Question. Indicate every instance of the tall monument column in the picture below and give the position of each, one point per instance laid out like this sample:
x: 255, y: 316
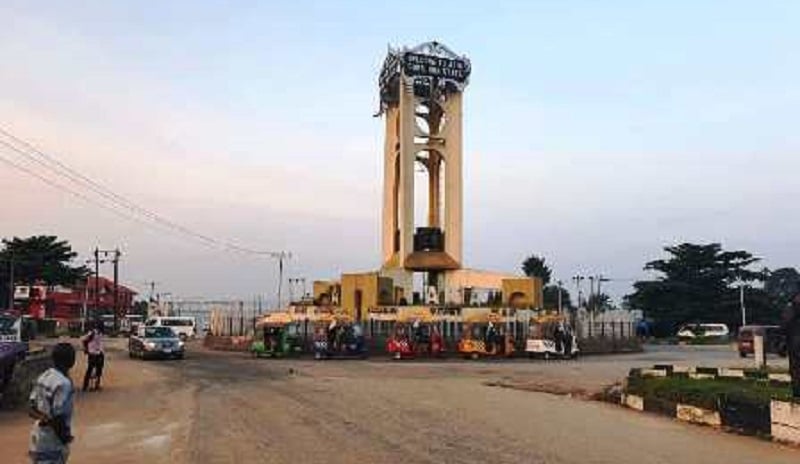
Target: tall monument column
x: 421, y: 96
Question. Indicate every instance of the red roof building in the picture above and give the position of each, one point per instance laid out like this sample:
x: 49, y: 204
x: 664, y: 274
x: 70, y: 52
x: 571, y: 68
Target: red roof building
x: 69, y: 303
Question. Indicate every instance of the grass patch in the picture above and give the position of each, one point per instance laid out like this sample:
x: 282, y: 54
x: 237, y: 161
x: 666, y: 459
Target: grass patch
x: 708, y: 393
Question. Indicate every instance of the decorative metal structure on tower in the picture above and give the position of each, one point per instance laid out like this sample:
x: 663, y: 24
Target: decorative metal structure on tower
x: 421, y: 91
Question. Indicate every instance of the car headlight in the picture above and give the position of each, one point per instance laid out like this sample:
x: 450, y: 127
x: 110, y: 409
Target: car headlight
x: 180, y: 344
x: 150, y: 345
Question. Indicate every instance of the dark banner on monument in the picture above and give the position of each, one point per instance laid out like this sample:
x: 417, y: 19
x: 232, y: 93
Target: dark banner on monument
x: 415, y: 64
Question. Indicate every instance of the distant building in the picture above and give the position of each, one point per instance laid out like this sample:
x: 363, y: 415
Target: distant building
x: 68, y: 303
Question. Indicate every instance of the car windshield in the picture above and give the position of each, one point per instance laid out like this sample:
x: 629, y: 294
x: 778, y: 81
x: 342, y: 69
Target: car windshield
x: 158, y: 332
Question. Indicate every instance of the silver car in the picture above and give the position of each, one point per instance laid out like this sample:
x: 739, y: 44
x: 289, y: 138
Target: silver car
x: 155, y: 342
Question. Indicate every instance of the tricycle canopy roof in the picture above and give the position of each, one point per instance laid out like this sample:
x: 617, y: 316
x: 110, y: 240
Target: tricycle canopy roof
x: 278, y: 319
x: 547, y: 318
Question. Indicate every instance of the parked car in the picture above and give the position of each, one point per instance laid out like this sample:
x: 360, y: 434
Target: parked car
x: 698, y: 331
x: 774, y: 339
x: 184, y: 327
x: 155, y: 342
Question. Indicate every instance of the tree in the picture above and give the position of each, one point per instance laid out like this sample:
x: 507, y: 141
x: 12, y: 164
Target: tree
x: 38, y: 258
x: 535, y: 266
x: 140, y: 307
x: 781, y: 285
x: 551, y: 297
x: 599, y: 302
x: 699, y: 283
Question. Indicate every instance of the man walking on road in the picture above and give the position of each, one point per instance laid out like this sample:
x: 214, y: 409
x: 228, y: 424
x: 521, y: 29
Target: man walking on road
x: 93, y: 346
x: 51, y: 405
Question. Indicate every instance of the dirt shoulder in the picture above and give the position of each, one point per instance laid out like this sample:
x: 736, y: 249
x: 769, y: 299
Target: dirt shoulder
x: 140, y: 415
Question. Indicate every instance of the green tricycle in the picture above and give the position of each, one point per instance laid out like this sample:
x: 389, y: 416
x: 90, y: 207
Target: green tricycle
x: 280, y: 336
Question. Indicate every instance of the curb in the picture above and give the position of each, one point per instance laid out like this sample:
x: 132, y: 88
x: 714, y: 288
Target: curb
x: 780, y: 420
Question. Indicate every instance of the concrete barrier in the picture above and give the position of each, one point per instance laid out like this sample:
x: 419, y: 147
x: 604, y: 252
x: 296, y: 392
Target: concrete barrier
x: 785, y: 418
x: 695, y: 415
x: 777, y: 377
x: 633, y: 401
x: 729, y: 373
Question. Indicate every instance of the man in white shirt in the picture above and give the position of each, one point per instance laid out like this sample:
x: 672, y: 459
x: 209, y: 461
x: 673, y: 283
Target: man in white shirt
x: 51, y: 403
x: 93, y: 346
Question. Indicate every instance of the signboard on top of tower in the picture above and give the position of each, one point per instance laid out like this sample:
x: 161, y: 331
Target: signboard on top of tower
x: 416, y: 64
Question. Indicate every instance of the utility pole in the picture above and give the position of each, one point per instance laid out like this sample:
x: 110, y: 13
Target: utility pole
x: 560, y: 309
x: 291, y: 289
x: 11, y: 283
x: 96, y: 280
x: 280, y: 256
x: 578, y: 279
x: 117, y: 254
x: 84, y: 310
x: 600, y: 280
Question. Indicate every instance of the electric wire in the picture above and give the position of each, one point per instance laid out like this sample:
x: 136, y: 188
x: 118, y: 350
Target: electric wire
x: 62, y: 170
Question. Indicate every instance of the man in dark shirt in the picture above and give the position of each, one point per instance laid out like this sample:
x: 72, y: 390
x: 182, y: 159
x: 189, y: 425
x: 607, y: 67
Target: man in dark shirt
x: 791, y: 327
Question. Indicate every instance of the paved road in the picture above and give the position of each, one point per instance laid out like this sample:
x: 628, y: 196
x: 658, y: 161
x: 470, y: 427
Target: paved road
x: 226, y: 408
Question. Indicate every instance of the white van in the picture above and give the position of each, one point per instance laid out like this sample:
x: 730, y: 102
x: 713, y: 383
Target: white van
x: 184, y: 327
x: 691, y: 331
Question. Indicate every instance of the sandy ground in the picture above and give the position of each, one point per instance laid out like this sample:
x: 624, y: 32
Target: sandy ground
x: 227, y: 408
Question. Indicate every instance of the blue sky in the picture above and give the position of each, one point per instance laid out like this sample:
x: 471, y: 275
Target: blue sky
x: 595, y: 132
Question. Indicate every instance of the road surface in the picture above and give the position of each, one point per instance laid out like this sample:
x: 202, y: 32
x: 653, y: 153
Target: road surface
x: 227, y: 408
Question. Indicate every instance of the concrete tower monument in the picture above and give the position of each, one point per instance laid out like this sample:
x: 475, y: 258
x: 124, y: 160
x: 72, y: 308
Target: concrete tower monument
x: 422, y: 264
x: 421, y: 93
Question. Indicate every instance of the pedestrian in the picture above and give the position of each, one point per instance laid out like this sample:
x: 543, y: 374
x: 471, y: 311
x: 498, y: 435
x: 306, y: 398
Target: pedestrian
x: 791, y: 327
x: 93, y: 347
x: 51, y: 403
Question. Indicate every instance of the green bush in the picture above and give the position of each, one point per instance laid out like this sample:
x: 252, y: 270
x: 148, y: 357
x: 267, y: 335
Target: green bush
x: 707, y: 393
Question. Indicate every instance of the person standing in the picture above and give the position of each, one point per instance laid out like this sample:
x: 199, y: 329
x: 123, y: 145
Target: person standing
x: 93, y: 346
x: 51, y: 403
x: 791, y: 327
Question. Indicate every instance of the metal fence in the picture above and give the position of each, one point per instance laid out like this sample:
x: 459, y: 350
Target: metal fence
x: 617, y: 324
x: 237, y: 320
